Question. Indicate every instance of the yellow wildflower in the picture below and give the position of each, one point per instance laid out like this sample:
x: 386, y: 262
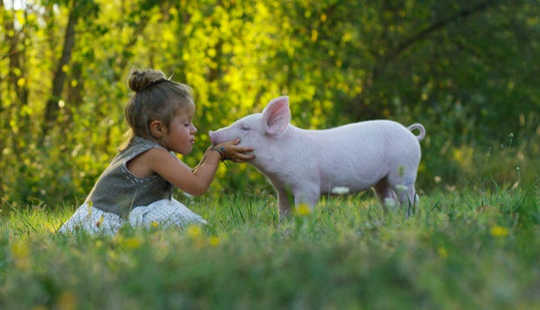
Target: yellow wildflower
x: 194, y: 231
x: 67, y: 301
x: 214, y: 241
x: 132, y: 243
x: 442, y: 252
x: 21, y: 254
x: 155, y: 224
x: 499, y: 231
x: 98, y: 223
x: 303, y: 209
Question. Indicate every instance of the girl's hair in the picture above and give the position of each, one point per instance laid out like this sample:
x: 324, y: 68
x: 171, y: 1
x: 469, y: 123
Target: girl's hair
x: 156, y: 98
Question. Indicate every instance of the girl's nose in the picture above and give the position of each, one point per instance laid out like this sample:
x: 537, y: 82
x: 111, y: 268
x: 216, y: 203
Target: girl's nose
x: 193, y: 128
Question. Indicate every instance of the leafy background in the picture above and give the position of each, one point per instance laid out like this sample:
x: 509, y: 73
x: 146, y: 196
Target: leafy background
x: 467, y: 70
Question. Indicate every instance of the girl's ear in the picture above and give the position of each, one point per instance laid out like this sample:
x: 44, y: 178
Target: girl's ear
x: 276, y: 116
x: 157, y: 130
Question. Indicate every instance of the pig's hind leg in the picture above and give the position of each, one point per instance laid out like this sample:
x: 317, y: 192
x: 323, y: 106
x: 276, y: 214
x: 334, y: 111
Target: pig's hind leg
x: 402, y: 184
x: 407, y: 197
x: 387, y: 197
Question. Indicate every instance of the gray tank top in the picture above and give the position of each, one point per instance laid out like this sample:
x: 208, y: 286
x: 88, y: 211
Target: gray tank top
x: 118, y: 191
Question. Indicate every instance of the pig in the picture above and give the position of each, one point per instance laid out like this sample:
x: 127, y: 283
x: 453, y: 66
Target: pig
x: 379, y: 154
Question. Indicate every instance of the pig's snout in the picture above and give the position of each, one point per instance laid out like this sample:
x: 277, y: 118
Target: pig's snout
x: 216, y: 137
x: 212, y: 135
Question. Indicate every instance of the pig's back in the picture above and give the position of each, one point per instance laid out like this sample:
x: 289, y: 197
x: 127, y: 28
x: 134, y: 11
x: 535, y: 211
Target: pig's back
x: 358, y: 155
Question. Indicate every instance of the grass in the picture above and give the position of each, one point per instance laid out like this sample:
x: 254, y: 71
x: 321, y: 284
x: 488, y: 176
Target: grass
x: 462, y: 250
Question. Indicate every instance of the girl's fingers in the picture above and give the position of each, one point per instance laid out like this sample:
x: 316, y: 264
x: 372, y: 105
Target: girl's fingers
x: 245, y: 157
x: 241, y: 149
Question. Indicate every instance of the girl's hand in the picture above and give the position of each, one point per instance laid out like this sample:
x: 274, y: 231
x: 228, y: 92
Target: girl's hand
x: 230, y: 151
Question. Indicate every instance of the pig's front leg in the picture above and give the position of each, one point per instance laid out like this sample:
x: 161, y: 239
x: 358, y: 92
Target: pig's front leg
x: 283, y: 198
x: 283, y: 202
x: 307, y: 194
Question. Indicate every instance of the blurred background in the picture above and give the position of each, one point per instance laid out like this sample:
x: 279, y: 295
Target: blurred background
x: 467, y: 70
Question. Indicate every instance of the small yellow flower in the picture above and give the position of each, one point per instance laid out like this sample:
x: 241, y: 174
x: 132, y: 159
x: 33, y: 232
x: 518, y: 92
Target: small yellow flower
x: 155, y: 224
x: 214, y: 241
x: 303, y: 209
x: 67, y: 301
x: 118, y: 239
x: 100, y: 221
x: 194, y: 231
x: 132, y: 243
x: 499, y: 231
x: 21, y: 254
x: 442, y: 252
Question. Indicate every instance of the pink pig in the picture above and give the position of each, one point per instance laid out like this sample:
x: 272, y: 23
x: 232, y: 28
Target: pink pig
x: 382, y: 154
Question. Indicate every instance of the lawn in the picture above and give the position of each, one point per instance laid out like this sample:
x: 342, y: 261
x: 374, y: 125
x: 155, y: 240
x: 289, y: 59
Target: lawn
x: 463, y: 249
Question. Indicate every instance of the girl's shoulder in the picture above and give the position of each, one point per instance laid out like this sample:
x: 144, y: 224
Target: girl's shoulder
x: 140, y: 154
x: 136, y: 146
x: 138, y: 142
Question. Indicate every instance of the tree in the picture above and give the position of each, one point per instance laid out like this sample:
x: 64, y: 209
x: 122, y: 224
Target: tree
x: 76, y: 10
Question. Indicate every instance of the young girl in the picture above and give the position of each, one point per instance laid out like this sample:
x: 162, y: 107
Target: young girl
x: 136, y: 187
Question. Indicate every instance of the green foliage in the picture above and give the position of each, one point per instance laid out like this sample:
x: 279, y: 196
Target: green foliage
x: 465, y: 69
x: 467, y: 250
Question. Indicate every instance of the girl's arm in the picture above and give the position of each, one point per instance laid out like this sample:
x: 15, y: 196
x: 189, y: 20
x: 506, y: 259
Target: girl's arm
x: 194, y: 182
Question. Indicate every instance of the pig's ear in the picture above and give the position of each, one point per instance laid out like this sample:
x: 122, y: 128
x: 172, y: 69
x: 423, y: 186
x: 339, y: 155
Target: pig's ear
x: 276, y: 116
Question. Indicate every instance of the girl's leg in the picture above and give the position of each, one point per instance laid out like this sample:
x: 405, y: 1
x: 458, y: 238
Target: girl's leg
x: 164, y: 213
x: 92, y: 220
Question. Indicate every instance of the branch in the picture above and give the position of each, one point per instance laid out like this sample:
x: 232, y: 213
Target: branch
x: 10, y: 54
x: 438, y: 25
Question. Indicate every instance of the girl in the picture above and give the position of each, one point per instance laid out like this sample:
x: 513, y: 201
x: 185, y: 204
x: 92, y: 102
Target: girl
x: 136, y: 187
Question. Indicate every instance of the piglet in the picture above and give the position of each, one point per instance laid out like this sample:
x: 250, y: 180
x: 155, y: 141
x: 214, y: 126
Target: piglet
x: 382, y: 154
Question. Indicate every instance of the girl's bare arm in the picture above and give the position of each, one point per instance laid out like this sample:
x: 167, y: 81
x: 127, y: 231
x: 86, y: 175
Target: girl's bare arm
x: 197, y: 181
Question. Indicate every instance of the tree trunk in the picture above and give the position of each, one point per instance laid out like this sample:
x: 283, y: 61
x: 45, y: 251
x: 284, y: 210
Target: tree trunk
x: 17, y: 89
x: 52, y: 107
x: 3, y: 117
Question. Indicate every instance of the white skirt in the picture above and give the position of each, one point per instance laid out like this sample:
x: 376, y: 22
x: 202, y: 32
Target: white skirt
x: 161, y: 213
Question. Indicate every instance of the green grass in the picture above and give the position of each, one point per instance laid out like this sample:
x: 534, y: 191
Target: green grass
x: 462, y: 250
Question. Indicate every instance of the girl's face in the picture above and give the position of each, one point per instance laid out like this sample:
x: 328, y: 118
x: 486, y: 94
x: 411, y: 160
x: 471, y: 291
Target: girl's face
x: 180, y: 135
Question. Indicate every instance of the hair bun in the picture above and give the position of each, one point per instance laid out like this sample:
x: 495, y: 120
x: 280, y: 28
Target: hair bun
x: 141, y: 79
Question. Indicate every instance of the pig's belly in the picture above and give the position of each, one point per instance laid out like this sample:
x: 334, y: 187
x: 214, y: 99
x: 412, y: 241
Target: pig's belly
x: 355, y: 175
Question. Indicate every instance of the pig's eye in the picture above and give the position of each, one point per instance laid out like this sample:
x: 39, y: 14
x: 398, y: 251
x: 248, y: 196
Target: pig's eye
x: 244, y: 127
